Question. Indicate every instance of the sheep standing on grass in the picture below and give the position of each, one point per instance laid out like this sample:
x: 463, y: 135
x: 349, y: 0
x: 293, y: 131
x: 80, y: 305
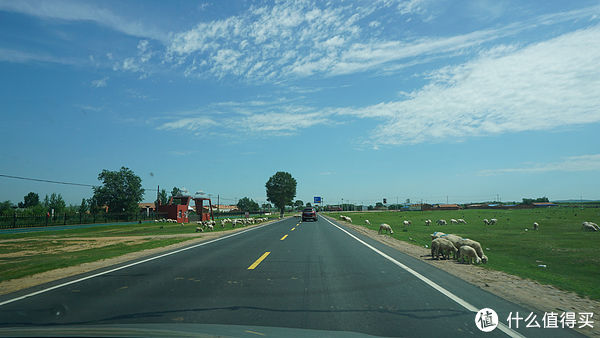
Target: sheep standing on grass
x: 475, y: 245
x: 461, y: 221
x: 469, y: 254
x: 407, y: 223
x: 437, y: 234
x: 535, y: 225
x: 486, y: 222
x: 444, y: 247
x: 589, y: 226
x: 385, y: 227
x: 453, y: 221
x: 493, y: 221
x: 442, y: 222
x: 199, y: 229
x: 427, y: 222
x: 367, y: 221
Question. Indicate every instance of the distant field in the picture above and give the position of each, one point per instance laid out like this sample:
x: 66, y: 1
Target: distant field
x: 29, y: 253
x: 571, y: 255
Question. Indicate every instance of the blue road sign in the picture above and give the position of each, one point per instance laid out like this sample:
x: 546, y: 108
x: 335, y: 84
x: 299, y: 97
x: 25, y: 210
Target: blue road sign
x: 317, y: 199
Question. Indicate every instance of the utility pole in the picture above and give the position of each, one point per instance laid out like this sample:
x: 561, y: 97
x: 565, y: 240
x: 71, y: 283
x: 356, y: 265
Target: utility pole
x: 218, y: 203
x: 446, y: 199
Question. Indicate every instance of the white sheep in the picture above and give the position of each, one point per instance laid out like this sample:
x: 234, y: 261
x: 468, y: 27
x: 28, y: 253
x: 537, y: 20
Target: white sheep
x: 589, y: 226
x: 437, y: 234
x: 594, y: 225
x: 367, y: 221
x: 493, y: 221
x: 442, y: 246
x: 486, y: 222
x: 475, y: 245
x: 535, y: 225
x: 407, y: 223
x: 348, y: 219
x: 385, y: 227
x: 428, y: 222
x: 453, y: 221
x: 199, y: 229
x: 442, y: 222
x: 462, y: 221
x: 469, y: 254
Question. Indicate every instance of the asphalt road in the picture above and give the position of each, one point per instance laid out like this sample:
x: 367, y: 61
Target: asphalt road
x: 315, y: 276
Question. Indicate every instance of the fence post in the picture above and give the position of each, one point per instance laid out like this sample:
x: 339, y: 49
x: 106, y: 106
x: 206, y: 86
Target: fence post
x: 80, y: 218
x: 65, y: 219
x: 15, y: 220
x: 47, y: 216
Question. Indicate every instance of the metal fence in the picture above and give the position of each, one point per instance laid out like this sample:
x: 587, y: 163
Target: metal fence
x: 25, y: 221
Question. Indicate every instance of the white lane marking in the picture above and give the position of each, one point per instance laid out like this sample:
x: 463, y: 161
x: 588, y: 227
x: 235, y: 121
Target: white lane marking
x: 131, y: 264
x: 463, y: 303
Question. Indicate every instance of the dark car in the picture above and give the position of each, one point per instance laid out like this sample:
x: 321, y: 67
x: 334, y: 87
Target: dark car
x: 309, y: 213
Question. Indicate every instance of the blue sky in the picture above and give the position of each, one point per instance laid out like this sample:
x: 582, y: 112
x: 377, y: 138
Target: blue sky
x: 358, y: 100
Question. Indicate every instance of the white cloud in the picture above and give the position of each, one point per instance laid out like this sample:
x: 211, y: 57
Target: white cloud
x: 17, y: 56
x: 539, y: 87
x: 79, y: 11
x: 569, y: 164
x: 190, y: 123
x: 100, y: 82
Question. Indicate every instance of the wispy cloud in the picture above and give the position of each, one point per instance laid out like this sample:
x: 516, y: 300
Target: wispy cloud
x: 569, y: 164
x: 17, y: 56
x: 301, y: 39
x: 80, y: 11
x: 190, y: 124
x: 100, y: 82
x: 538, y: 87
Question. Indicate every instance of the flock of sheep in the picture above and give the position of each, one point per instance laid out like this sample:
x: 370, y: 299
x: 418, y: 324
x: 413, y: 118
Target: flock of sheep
x: 210, y: 224
x: 462, y: 249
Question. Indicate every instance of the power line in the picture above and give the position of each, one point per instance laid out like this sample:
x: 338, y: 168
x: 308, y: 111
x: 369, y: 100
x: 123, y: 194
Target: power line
x: 55, y: 182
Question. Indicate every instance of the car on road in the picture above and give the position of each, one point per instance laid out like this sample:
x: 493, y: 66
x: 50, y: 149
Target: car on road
x: 309, y: 213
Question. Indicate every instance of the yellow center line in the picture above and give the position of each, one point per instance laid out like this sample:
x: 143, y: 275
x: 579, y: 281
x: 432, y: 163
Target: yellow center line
x: 282, y: 238
x: 260, y: 259
x: 293, y: 229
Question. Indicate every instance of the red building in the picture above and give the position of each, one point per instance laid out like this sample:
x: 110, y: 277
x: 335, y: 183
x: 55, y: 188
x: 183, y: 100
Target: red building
x: 179, y: 208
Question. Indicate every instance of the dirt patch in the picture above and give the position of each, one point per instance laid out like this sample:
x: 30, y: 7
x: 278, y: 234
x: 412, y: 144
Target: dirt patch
x: 49, y: 276
x: 525, y: 292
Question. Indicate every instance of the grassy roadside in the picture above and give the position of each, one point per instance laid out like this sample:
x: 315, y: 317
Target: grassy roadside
x: 25, y: 254
x: 28, y: 265
x: 571, y: 256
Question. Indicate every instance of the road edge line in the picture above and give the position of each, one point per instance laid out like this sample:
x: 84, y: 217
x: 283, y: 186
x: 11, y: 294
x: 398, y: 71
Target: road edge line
x: 510, y: 332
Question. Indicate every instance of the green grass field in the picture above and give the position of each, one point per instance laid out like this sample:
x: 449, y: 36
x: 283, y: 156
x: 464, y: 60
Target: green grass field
x: 571, y: 256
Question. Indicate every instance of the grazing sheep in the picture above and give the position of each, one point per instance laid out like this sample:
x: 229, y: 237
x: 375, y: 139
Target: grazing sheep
x: 462, y: 221
x: 348, y: 219
x: 407, y: 223
x: 210, y: 226
x: 486, y: 222
x: 442, y: 246
x: 589, y: 226
x: 535, y: 225
x: 199, y: 229
x: 428, y: 222
x: 442, y: 222
x: 594, y: 225
x: 493, y: 221
x: 385, y: 227
x: 475, y: 245
x: 453, y: 221
x: 469, y: 254
x: 367, y: 221
x: 437, y: 234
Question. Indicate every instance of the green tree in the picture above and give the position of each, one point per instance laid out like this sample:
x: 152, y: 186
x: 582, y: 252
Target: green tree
x: 30, y: 200
x: 93, y: 205
x: 83, y: 208
x: 121, y: 190
x: 6, y: 208
x: 308, y: 204
x: 266, y: 206
x: 162, y: 197
x: 247, y: 204
x: 299, y: 204
x: 57, y: 203
x: 281, y: 190
x: 176, y: 192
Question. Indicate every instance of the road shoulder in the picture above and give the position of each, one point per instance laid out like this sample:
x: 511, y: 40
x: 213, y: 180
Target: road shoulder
x: 524, y: 292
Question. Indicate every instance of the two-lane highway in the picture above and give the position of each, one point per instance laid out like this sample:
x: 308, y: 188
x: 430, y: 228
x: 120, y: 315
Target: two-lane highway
x: 290, y: 274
